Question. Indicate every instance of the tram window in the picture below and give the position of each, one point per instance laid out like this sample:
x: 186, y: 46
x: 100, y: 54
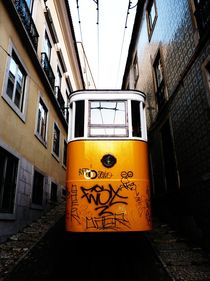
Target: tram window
x: 108, y: 118
x: 136, y: 122
x: 79, y: 119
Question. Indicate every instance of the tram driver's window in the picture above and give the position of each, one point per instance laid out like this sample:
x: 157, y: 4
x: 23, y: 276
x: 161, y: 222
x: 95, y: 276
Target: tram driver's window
x: 79, y: 119
x: 136, y: 119
x: 108, y: 118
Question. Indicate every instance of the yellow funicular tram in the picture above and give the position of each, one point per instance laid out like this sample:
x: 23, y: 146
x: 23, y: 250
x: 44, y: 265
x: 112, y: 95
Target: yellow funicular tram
x: 108, y: 188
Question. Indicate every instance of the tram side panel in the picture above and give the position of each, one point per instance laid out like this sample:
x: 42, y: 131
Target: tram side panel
x: 101, y: 199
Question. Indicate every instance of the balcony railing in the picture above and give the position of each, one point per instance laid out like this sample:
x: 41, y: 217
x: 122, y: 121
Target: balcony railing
x: 47, y: 69
x: 202, y: 15
x: 24, y: 13
x: 60, y: 99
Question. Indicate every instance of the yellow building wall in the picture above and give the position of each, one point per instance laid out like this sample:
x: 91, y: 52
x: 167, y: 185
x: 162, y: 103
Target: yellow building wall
x: 14, y: 132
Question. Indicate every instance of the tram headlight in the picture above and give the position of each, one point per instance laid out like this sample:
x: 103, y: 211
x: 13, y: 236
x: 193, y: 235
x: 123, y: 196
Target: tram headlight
x: 108, y: 160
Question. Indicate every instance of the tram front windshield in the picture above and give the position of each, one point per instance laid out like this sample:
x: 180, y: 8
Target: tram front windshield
x: 108, y: 118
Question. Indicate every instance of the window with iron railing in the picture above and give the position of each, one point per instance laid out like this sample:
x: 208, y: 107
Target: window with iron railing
x: 159, y: 81
x: 47, y: 46
x: 202, y: 15
x: 22, y: 7
x: 48, y: 69
x: 60, y: 99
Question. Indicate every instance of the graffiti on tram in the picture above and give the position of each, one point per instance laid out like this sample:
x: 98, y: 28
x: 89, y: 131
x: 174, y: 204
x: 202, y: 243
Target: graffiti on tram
x: 93, y: 174
x: 102, y: 197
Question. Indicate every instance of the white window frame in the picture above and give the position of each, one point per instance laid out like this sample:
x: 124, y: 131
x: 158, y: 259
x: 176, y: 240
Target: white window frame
x: 21, y: 112
x: 37, y: 134
x: 49, y: 54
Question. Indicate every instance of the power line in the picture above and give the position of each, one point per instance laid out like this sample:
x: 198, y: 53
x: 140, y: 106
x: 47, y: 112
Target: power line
x: 122, y: 44
x: 123, y: 40
x: 80, y: 28
x: 79, y: 20
x: 98, y: 41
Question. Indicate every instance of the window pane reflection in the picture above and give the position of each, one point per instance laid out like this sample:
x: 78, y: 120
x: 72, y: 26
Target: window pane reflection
x: 108, y: 118
x: 107, y: 113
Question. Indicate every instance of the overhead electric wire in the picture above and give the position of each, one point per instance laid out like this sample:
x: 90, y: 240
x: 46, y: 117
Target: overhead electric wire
x: 125, y: 28
x: 98, y: 46
x: 79, y: 20
x: 81, y: 35
x: 122, y: 45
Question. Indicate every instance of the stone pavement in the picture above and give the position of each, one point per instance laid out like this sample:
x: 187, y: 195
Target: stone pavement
x: 182, y: 260
x: 18, y: 246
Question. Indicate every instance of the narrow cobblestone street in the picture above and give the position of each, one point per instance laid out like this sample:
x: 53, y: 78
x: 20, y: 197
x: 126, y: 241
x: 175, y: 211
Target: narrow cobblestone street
x: 19, y: 246
x: 183, y: 260
x: 178, y: 258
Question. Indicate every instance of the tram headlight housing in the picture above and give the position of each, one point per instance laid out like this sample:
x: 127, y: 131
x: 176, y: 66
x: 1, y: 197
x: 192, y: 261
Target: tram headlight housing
x: 108, y: 160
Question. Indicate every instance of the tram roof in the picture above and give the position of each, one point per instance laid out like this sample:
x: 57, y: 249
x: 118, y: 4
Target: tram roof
x: 107, y: 95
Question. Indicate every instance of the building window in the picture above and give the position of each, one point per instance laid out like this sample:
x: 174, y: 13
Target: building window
x: 30, y: 4
x: 45, y: 61
x: 151, y: 16
x: 58, y: 78
x: 8, y: 179
x: 159, y: 81
x: 41, y: 130
x: 53, y: 194
x: 58, y: 93
x: 135, y: 70
x: 65, y: 153
x: 202, y: 14
x: 15, y: 84
x: 47, y: 46
x: 206, y: 68
x: 56, y: 140
x: 38, y: 184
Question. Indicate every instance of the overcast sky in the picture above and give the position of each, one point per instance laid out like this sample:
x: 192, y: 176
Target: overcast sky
x: 106, y: 43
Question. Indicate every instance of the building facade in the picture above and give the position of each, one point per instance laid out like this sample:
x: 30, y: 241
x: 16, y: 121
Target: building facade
x: 39, y: 69
x: 169, y: 60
